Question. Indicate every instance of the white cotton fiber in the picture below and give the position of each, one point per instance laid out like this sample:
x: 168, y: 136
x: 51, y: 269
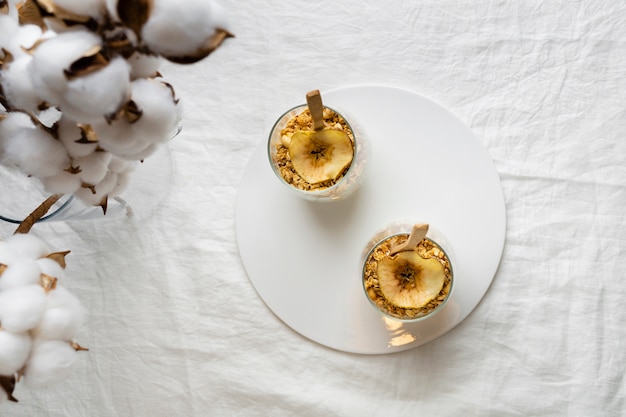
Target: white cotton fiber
x: 143, y: 65
x: 8, y: 28
x: 178, y: 30
x: 117, y: 138
x: 20, y: 272
x: 143, y: 153
x: 53, y: 56
x: 60, y: 297
x: 25, y: 38
x: 14, y: 36
x: 70, y: 136
x: 123, y: 178
x: 22, y: 308
x: 13, y: 122
x: 7, y: 255
x: 35, y: 152
x: 57, y: 324
x: 159, y: 118
x: 93, y: 166
x: 62, y: 182
x: 51, y: 268
x: 62, y: 318
x: 88, y: 197
x: 50, y: 361
x: 14, y: 350
x: 104, y: 187
x: 17, y: 86
x: 27, y: 246
x: 89, y: 98
x: 161, y: 112
x: 101, y: 189
x: 119, y: 165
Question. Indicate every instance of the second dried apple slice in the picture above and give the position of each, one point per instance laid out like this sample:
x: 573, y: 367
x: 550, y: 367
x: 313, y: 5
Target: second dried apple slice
x: 407, y: 280
x: 322, y: 155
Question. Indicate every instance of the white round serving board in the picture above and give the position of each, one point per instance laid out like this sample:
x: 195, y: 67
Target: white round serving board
x: 304, y: 258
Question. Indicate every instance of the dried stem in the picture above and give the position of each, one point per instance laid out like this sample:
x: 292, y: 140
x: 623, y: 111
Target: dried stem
x: 37, y: 214
x: 7, y: 383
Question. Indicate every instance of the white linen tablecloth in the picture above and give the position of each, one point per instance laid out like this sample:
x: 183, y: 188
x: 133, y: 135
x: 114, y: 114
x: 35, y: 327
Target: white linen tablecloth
x: 175, y: 327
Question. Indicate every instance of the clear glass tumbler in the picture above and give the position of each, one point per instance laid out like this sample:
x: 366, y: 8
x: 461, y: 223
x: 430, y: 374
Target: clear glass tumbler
x: 434, y: 245
x: 341, y: 188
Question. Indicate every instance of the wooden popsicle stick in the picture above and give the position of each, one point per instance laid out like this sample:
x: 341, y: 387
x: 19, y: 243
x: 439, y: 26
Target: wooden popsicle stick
x: 314, y: 102
x: 417, y: 235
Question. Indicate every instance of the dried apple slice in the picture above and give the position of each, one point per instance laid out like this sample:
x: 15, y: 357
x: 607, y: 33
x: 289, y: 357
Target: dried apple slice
x: 409, y: 281
x: 321, y: 155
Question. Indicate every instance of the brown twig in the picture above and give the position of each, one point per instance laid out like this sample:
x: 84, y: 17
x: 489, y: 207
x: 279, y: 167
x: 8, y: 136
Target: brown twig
x: 7, y: 383
x: 37, y: 214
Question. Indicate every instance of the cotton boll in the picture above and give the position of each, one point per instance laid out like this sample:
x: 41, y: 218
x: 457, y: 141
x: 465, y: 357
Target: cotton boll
x: 30, y: 148
x: 160, y: 115
x: 118, y: 139
x: 50, y: 361
x: 70, y: 135
x: 57, y: 324
x: 11, y: 124
x: 88, y: 197
x: 17, y: 86
x: 173, y: 30
x: 106, y: 185
x: 14, y: 350
x: 53, y: 56
x: 24, y: 38
x: 35, y: 152
x: 22, y: 308
x: 143, y: 153
x: 89, y: 98
x: 123, y: 179
x: 8, y: 27
x: 99, y: 192
x: 119, y: 165
x: 19, y: 273
x: 123, y: 169
x: 50, y: 268
x: 27, y: 246
x: 17, y: 39
x: 62, y: 318
x: 93, y: 166
x: 143, y: 65
x: 62, y: 182
x: 61, y: 297
x: 7, y: 255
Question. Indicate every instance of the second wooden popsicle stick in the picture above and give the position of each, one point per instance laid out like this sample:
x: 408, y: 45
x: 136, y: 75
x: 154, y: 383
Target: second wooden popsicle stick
x: 417, y: 235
